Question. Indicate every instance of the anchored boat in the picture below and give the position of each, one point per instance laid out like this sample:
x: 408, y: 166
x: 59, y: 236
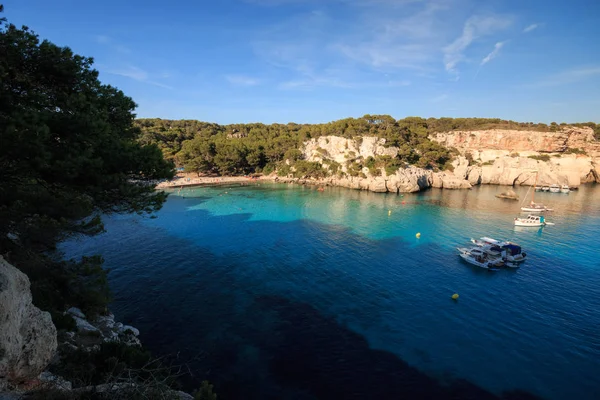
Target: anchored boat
x: 508, y: 251
x: 565, y: 189
x: 480, y: 259
x: 533, y: 206
x: 532, y: 221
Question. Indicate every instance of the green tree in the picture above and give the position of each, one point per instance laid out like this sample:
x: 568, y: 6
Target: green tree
x: 69, y: 152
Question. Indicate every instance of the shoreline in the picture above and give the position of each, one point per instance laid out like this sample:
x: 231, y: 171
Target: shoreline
x: 183, y: 180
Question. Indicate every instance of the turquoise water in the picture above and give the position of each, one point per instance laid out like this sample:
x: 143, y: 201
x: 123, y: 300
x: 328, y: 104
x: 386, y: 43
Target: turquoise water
x: 256, y: 286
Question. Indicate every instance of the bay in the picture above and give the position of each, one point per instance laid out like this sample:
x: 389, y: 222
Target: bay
x: 282, y: 291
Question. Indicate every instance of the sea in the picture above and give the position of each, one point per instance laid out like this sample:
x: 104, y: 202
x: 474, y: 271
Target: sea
x: 282, y: 291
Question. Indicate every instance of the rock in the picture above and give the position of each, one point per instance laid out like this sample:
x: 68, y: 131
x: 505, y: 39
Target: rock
x: 76, y: 312
x: 130, y: 328
x: 449, y: 181
x: 509, y: 194
x: 27, y: 335
x: 49, y: 380
x: 83, y: 326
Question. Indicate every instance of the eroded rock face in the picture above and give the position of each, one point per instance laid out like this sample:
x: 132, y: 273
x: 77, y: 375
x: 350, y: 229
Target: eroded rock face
x: 27, y: 334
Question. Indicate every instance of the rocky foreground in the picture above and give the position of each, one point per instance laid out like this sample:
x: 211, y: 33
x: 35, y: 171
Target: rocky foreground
x: 30, y: 344
x: 498, y: 157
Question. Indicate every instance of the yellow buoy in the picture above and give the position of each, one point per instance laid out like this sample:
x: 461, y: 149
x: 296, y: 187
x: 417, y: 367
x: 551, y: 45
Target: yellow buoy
x: 455, y: 296
x: 418, y: 235
x: 389, y: 212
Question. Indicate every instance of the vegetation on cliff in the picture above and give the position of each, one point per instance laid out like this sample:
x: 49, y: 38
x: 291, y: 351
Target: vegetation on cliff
x: 240, y: 149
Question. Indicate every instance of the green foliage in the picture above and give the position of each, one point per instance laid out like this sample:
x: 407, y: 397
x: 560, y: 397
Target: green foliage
x: 514, y: 155
x: 354, y: 169
x: 69, y: 151
x: 488, y: 162
x: 540, y: 157
x: 308, y: 169
x: 575, y: 151
x: 205, y: 392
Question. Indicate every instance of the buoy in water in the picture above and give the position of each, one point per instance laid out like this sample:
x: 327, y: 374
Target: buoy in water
x: 389, y: 212
x: 455, y: 296
x: 418, y: 235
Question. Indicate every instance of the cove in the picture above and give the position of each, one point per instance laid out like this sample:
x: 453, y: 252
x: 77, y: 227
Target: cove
x: 281, y: 291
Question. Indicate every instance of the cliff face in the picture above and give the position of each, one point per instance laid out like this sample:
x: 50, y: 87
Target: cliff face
x: 27, y: 334
x: 500, y: 157
x: 512, y: 140
x: 506, y: 157
x: 328, y: 149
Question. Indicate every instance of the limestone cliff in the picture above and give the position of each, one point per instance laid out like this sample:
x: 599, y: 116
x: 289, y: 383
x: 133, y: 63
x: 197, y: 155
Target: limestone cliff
x: 330, y: 150
x: 569, y: 156
x: 27, y: 334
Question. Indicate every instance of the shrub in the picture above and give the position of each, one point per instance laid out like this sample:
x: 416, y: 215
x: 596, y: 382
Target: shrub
x: 575, y: 151
x: 540, y: 157
x: 488, y: 162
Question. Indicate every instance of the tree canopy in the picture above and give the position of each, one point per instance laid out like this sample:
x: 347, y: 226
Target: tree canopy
x: 69, y: 152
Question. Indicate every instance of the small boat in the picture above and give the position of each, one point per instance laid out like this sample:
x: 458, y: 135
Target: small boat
x: 531, y: 221
x: 480, y: 260
x: 565, y: 189
x: 554, y: 188
x: 538, y: 188
x: 545, y: 188
x: 535, y: 208
x: 508, y: 251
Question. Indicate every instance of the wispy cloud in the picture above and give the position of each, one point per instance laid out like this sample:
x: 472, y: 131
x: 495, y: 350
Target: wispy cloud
x: 474, y: 28
x: 530, y: 28
x: 573, y: 75
x: 493, y: 53
x: 439, y: 98
x: 137, y: 74
x: 108, y: 41
x: 242, y: 80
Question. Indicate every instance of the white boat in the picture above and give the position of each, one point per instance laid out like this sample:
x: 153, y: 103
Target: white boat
x: 565, y: 189
x: 535, y: 208
x: 531, y: 221
x: 545, y: 188
x: 538, y: 188
x: 508, y: 251
x: 555, y: 188
x: 481, y: 260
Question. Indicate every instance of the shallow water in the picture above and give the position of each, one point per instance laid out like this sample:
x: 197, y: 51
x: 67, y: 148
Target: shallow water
x: 281, y: 291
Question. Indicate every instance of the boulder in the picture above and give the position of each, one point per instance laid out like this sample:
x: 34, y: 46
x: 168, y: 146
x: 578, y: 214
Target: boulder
x: 27, y: 334
x: 508, y: 194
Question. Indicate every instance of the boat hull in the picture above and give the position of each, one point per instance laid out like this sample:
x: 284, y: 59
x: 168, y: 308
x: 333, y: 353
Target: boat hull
x: 528, y: 223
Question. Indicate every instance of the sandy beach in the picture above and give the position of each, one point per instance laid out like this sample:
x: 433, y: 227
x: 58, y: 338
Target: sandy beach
x: 183, y: 179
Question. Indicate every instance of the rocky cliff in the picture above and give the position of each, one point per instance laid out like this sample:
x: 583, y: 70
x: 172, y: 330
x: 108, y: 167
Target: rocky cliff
x: 568, y: 156
x: 330, y: 150
x: 27, y: 334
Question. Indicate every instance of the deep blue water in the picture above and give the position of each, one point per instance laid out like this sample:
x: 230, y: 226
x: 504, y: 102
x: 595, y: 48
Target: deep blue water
x: 281, y: 291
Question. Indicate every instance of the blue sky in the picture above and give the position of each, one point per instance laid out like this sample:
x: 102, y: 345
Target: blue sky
x: 315, y: 61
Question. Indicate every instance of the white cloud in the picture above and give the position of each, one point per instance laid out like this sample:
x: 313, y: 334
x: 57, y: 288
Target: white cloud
x: 530, y: 28
x: 569, y: 76
x: 241, y: 80
x: 474, y: 28
x: 493, y: 53
x: 137, y: 74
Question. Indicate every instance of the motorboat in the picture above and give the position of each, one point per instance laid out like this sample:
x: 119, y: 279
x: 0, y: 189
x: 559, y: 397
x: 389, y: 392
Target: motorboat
x: 555, y: 188
x: 538, y: 188
x: 565, y: 189
x: 545, y: 188
x: 480, y: 259
x: 531, y: 221
x: 535, y: 208
x: 508, y: 251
